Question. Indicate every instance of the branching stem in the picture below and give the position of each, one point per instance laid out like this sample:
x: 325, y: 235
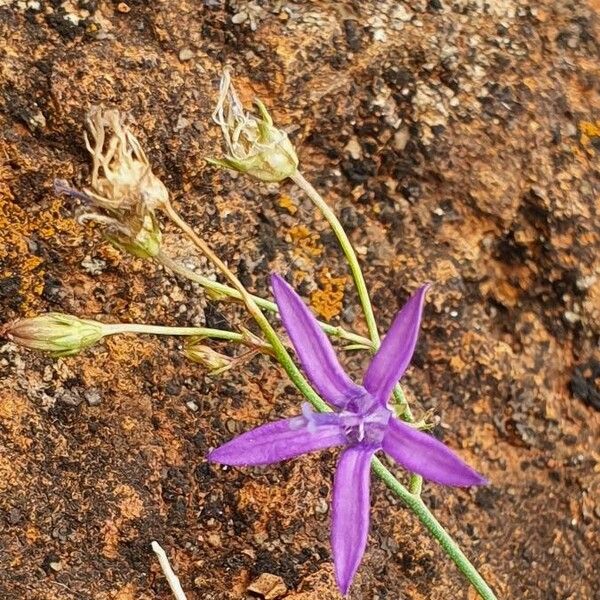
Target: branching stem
x: 230, y: 292
x: 411, y: 500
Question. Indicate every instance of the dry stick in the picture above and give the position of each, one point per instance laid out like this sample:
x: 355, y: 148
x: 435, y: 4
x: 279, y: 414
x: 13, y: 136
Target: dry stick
x: 411, y: 500
x: 416, y: 481
x: 172, y: 579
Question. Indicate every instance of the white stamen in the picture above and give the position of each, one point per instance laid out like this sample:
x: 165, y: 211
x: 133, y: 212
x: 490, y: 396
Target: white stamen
x: 309, y: 416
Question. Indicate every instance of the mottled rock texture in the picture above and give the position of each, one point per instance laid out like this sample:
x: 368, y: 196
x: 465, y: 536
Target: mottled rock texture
x: 458, y: 140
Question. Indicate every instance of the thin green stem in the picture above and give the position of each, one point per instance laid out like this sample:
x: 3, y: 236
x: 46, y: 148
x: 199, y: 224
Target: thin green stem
x: 357, y: 275
x: 350, y: 347
x: 416, y: 504
x: 363, y: 293
x: 225, y: 290
x: 279, y: 350
x: 286, y: 361
x: 218, y: 334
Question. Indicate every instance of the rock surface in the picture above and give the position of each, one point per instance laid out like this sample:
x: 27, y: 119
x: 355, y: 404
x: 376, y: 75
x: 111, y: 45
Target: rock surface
x: 459, y: 142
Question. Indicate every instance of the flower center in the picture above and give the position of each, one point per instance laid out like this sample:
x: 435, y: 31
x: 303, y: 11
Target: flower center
x: 365, y: 428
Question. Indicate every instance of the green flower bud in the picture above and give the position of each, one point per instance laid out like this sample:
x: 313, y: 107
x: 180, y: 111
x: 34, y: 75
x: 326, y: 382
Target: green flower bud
x: 56, y: 333
x: 255, y: 146
x: 214, y: 361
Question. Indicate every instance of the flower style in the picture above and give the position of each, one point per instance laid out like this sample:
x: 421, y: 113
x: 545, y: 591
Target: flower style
x: 254, y: 144
x: 362, y: 424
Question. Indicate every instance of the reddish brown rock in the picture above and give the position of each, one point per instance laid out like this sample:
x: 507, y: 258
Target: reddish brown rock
x: 459, y: 143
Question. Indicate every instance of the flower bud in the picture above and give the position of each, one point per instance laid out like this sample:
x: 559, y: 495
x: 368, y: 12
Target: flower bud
x: 214, y: 361
x: 255, y: 146
x: 57, y: 333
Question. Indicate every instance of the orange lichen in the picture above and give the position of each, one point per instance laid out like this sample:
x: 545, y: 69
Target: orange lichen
x: 287, y: 203
x: 588, y: 130
x: 327, y: 301
x: 306, y: 242
x: 16, y: 230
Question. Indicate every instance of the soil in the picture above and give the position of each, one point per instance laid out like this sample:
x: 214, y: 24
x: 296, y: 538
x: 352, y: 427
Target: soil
x: 458, y: 141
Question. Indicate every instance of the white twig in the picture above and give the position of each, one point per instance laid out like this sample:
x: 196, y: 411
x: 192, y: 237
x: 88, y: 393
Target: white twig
x: 168, y: 571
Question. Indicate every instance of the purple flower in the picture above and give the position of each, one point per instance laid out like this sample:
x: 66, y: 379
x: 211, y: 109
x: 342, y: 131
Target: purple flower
x: 362, y: 424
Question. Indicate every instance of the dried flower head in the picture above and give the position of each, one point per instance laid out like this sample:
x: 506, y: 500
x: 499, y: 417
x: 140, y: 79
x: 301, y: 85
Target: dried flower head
x: 57, y: 333
x: 137, y: 234
x: 254, y: 145
x: 124, y: 192
x: 122, y: 178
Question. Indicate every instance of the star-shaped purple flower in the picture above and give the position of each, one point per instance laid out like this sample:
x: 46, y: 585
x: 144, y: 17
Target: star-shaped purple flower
x: 362, y: 424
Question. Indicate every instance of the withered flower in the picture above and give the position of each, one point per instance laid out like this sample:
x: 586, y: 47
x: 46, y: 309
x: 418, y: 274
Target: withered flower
x: 255, y: 146
x: 122, y: 178
x: 215, y: 362
x: 124, y: 192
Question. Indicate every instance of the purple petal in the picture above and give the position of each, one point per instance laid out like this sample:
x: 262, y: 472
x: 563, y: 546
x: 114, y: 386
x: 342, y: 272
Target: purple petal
x: 314, y: 350
x: 423, y: 454
x: 393, y: 357
x: 61, y: 186
x: 350, y: 513
x: 281, y: 440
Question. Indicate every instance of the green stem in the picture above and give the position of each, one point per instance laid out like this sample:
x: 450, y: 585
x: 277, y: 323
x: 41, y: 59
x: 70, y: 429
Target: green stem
x: 218, y: 334
x: 219, y: 288
x: 361, y: 289
x: 284, y: 358
x: 279, y: 350
x: 416, y: 504
x: 402, y: 404
x: 357, y: 275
